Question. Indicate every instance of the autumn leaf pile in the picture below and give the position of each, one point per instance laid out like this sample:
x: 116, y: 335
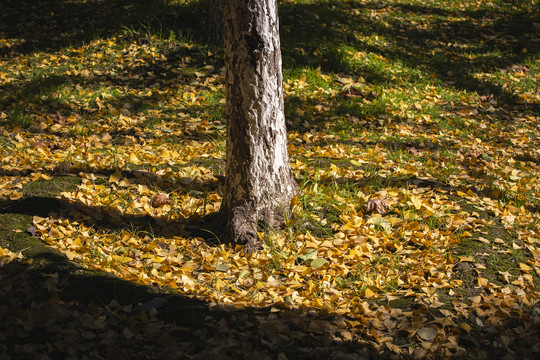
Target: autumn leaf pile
x: 415, y: 234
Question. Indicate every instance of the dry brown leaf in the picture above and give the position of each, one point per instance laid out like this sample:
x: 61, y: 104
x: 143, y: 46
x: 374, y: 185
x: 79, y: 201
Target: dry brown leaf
x: 160, y: 200
x: 376, y: 206
x: 248, y: 282
x: 43, y: 144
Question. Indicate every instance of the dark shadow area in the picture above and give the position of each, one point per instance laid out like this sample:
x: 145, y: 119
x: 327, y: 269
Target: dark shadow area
x: 40, y: 198
x: 137, y: 176
x: 54, y: 307
x: 39, y: 206
x: 54, y: 24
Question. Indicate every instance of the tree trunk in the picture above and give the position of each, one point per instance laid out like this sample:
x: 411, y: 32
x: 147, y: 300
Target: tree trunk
x: 259, y: 184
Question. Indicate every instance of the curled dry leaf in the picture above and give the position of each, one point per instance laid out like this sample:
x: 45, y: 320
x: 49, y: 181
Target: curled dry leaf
x: 353, y: 92
x: 376, y: 206
x: 32, y: 231
x: 519, y: 68
x: 160, y: 200
x: 411, y: 149
x: 43, y: 144
x: 248, y: 282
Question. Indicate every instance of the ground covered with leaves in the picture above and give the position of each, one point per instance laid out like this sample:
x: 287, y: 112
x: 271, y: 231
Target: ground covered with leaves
x: 413, y: 133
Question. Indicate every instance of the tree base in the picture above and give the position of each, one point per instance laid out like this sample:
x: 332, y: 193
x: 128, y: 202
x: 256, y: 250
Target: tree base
x: 241, y: 228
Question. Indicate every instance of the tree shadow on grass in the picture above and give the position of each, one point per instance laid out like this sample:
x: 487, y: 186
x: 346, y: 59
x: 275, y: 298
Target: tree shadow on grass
x: 53, y: 306
x: 108, y: 220
x: 35, y: 100
x: 443, y: 47
x: 83, y: 313
x: 51, y: 25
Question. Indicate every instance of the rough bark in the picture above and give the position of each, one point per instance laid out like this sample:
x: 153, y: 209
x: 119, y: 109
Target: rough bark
x: 259, y: 184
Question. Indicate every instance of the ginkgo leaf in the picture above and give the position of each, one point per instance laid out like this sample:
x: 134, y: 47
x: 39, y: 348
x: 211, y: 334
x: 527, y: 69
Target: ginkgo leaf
x: 310, y: 254
x: 317, y: 263
x: 369, y: 293
x: 416, y: 201
x: 115, y: 177
x: 427, y: 333
x: 223, y: 267
x: 380, y: 221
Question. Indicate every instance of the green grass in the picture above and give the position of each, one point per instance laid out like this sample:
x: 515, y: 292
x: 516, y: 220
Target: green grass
x: 18, y: 117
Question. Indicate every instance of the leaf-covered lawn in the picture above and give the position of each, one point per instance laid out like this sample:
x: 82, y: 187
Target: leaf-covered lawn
x: 413, y: 132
